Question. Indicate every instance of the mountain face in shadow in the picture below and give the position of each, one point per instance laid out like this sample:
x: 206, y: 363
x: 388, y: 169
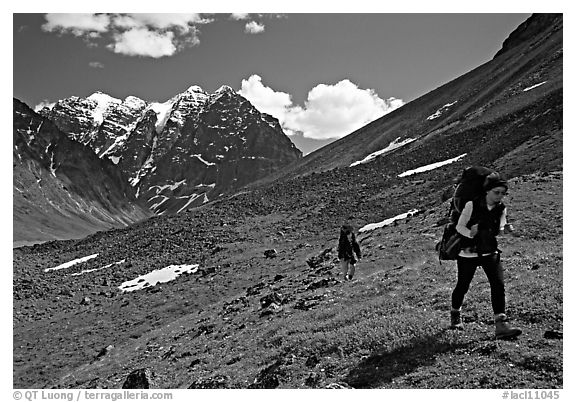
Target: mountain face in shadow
x: 62, y: 189
x: 184, y: 152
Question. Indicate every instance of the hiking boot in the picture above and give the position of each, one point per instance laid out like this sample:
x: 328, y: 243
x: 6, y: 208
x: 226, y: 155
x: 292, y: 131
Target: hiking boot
x: 347, y: 277
x: 503, y: 330
x: 456, y: 320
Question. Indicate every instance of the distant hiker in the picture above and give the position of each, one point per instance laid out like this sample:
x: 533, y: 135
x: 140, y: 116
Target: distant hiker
x: 479, y: 223
x: 348, y: 250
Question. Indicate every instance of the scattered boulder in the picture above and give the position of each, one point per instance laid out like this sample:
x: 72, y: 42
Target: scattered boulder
x: 270, y: 253
x: 315, y: 262
x: 268, y: 378
x: 67, y: 292
x: 205, y: 330
x: 139, y: 379
x: 104, y: 351
x: 272, y: 309
x: 85, y: 301
x: 551, y: 334
x: 272, y: 298
x: 313, y: 380
x: 312, y: 361
x: 323, y: 283
x: 254, y: 290
x: 307, y: 303
x: 194, y: 362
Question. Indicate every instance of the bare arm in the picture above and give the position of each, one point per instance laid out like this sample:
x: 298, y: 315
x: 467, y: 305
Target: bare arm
x: 463, y: 221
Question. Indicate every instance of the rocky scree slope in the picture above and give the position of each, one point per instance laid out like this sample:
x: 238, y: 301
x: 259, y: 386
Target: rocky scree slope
x: 288, y: 320
x: 498, y: 102
x: 181, y: 153
x: 61, y: 188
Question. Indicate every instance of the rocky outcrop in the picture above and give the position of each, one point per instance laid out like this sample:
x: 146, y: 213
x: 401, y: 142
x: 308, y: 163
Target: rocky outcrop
x: 139, y: 379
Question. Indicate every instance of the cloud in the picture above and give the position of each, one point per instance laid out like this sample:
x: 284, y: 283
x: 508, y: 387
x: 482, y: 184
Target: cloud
x: 239, y: 16
x: 144, y: 42
x: 43, y: 104
x: 265, y: 99
x: 254, y: 27
x: 96, y: 64
x: 139, y: 34
x: 77, y: 24
x: 331, y: 111
x: 182, y: 22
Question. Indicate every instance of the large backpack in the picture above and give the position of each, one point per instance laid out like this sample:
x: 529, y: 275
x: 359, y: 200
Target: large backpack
x: 469, y: 186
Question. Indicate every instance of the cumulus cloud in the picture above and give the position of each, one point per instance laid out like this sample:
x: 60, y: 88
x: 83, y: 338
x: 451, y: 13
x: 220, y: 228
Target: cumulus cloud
x: 143, y: 42
x: 265, y: 99
x: 163, y: 21
x: 239, y: 16
x: 77, y: 24
x: 254, y: 27
x: 140, y: 34
x: 330, y: 111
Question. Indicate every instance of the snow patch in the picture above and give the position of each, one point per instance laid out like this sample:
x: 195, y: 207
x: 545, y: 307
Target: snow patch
x: 163, y: 275
x: 190, y: 200
x: 115, y: 159
x: 133, y: 102
x: 157, y: 205
x: 103, y: 101
x: 199, y: 156
x: 388, y: 221
x: 171, y: 187
x: 534, y: 86
x: 97, y: 269
x: 206, y: 185
x: 392, y: 146
x: 439, y: 112
x: 71, y: 263
x: 194, y: 88
x: 52, y: 165
x: 162, y: 111
x: 431, y: 166
x: 147, y: 167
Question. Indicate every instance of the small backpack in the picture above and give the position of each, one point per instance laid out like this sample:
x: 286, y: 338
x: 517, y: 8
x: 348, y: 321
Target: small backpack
x: 449, y: 246
x: 469, y: 187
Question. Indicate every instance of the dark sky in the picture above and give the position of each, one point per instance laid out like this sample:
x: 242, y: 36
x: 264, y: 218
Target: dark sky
x: 396, y: 55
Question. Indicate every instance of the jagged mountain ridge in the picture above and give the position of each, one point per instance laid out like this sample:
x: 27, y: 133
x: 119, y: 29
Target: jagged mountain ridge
x: 61, y: 188
x: 181, y: 153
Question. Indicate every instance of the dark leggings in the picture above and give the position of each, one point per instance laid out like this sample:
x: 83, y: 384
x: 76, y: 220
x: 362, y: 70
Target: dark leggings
x: 493, y: 269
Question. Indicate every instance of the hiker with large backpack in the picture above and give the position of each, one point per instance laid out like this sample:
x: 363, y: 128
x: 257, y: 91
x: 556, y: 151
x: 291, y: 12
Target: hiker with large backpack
x: 479, y: 218
x: 348, y: 250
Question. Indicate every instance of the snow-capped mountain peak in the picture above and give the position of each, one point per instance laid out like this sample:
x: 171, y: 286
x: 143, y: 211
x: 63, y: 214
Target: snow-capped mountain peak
x: 194, y: 136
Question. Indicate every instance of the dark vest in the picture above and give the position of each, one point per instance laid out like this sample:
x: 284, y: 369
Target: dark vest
x: 488, y: 226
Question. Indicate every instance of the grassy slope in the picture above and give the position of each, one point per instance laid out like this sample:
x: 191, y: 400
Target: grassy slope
x: 388, y: 328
